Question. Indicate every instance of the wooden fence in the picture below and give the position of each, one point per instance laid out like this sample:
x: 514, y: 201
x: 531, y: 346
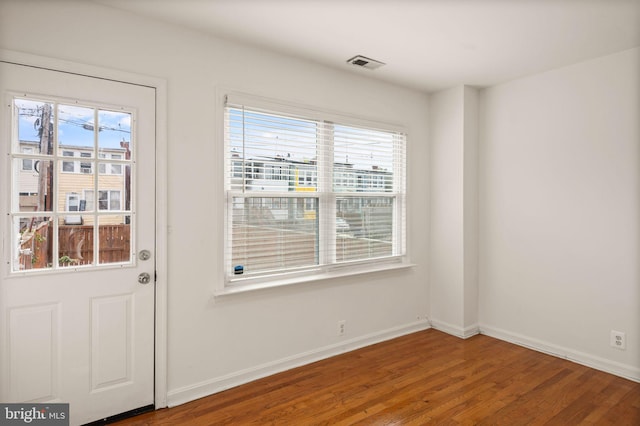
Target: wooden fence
x: 75, y: 245
x: 35, y: 250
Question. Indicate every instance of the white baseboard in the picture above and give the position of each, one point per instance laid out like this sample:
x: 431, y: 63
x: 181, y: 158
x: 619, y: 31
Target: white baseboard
x: 463, y: 333
x: 218, y: 384
x: 627, y: 371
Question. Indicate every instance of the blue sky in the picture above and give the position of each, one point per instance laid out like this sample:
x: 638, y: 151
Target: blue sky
x: 75, y: 124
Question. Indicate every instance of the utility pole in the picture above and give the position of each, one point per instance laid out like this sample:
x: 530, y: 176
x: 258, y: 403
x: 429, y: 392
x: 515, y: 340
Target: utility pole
x: 44, y: 178
x: 127, y: 174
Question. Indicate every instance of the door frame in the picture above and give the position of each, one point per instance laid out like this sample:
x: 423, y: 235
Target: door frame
x: 161, y: 207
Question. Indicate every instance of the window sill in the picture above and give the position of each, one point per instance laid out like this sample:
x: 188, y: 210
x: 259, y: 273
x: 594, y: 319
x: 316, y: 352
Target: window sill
x: 311, y: 277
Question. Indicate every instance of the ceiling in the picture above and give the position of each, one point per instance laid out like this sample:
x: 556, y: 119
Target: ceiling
x: 427, y: 45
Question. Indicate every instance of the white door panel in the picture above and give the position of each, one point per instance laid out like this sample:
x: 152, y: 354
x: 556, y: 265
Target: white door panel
x: 77, y: 326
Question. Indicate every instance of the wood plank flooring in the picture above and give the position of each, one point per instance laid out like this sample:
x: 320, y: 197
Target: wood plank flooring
x: 423, y: 378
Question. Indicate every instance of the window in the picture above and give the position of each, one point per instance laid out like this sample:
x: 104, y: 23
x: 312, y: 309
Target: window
x: 308, y: 191
x: 72, y: 204
x: 68, y: 166
x: 107, y: 200
x: 85, y: 167
x: 116, y: 169
x: 110, y: 168
x: 27, y: 163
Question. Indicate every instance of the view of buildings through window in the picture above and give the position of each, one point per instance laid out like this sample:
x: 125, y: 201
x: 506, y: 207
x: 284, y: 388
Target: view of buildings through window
x: 57, y: 195
x: 303, y: 193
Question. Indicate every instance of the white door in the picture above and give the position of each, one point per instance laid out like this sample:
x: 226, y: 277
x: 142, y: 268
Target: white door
x: 77, y: 222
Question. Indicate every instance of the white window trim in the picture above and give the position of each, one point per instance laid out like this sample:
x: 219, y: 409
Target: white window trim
x: 337, y: 271
x: 231, y: 284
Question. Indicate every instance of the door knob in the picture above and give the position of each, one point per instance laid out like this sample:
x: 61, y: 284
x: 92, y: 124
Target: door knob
x: 144, y: 278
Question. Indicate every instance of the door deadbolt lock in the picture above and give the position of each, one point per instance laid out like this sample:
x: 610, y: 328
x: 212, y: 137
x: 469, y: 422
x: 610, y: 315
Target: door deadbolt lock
x: 144, y: 278
x: 144, y: 255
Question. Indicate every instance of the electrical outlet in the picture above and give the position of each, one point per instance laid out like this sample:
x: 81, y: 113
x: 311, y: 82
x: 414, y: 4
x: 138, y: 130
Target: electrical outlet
x: 618, y: 340
x: 342, y: 327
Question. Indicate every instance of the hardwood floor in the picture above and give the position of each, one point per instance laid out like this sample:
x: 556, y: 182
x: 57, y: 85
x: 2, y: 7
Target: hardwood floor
x: 423, y: 378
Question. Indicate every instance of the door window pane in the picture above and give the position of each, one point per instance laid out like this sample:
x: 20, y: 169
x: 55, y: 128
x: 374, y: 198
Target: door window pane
x: 114, y: 188
x: 76, y: 128
x: 32, y: 189
x: 115, y: 132
x: 74, y: 183
x: 31, y: 116
x: 75, y: 240
x: 115, y: 239
x: 33, y: 241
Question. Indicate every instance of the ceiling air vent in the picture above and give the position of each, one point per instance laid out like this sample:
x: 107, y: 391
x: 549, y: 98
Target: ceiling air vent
x: 364, y: 62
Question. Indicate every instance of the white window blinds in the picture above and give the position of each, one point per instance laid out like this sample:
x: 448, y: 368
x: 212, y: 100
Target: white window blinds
x: 307, y: 191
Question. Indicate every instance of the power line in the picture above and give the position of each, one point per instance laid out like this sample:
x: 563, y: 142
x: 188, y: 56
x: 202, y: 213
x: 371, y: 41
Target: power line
x: 85, y: 124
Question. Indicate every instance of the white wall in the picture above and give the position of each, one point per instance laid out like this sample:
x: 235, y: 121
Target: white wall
x: 559, y: 211
x: 470, y: 193
x: 453, y: 168
x: 217, y: 344
x: 446, y: 168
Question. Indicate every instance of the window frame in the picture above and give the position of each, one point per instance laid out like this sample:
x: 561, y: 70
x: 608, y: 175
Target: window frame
x: 63, y: 206
x: 326, y: 199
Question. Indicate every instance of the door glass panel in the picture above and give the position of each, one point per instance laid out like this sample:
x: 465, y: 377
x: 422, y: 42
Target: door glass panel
x: 115, y: 133
x: 77, y: 185
x: 76, y: 130
x: 29, y: 175
x: 126, y: 196
x: 75, y: 240
x: 30, y: 116
x: 73, y: 189
x: 114, y: 187
x: 115, y: 239
x: 33, y: 242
